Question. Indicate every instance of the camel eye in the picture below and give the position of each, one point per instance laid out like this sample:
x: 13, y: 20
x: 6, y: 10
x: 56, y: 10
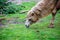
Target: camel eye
x: 32, y: 14
x: 29, y: 19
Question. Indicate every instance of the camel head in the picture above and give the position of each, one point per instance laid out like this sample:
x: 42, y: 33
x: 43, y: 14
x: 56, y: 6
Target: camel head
x: 32, y: 17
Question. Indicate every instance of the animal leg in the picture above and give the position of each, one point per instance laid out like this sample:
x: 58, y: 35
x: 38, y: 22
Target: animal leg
x: 53, y: 18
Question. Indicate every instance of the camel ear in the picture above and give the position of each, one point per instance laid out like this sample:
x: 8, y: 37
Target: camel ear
x: 32, y: 14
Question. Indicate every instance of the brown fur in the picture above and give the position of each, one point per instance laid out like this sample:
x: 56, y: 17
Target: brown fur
x: 42, y: 9
x: 58, y: 5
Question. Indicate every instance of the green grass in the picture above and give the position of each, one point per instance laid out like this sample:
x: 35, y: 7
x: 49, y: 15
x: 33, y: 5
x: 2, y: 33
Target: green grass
x: 37, y: 31
x: 28, y: 5
x: 20, y: 32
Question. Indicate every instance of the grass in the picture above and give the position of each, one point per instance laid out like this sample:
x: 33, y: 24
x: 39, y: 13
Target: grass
x: 37, y: 31
x: 28, y: 5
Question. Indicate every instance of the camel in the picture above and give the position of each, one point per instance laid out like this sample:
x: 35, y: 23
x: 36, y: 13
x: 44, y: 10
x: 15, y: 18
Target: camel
x: 43, y: 9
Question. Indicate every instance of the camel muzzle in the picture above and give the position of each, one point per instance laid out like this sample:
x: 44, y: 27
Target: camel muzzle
x: 27, y: 23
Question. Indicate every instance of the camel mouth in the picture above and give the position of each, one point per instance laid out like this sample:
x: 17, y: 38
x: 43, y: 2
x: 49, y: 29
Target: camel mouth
x: 27, y: 26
